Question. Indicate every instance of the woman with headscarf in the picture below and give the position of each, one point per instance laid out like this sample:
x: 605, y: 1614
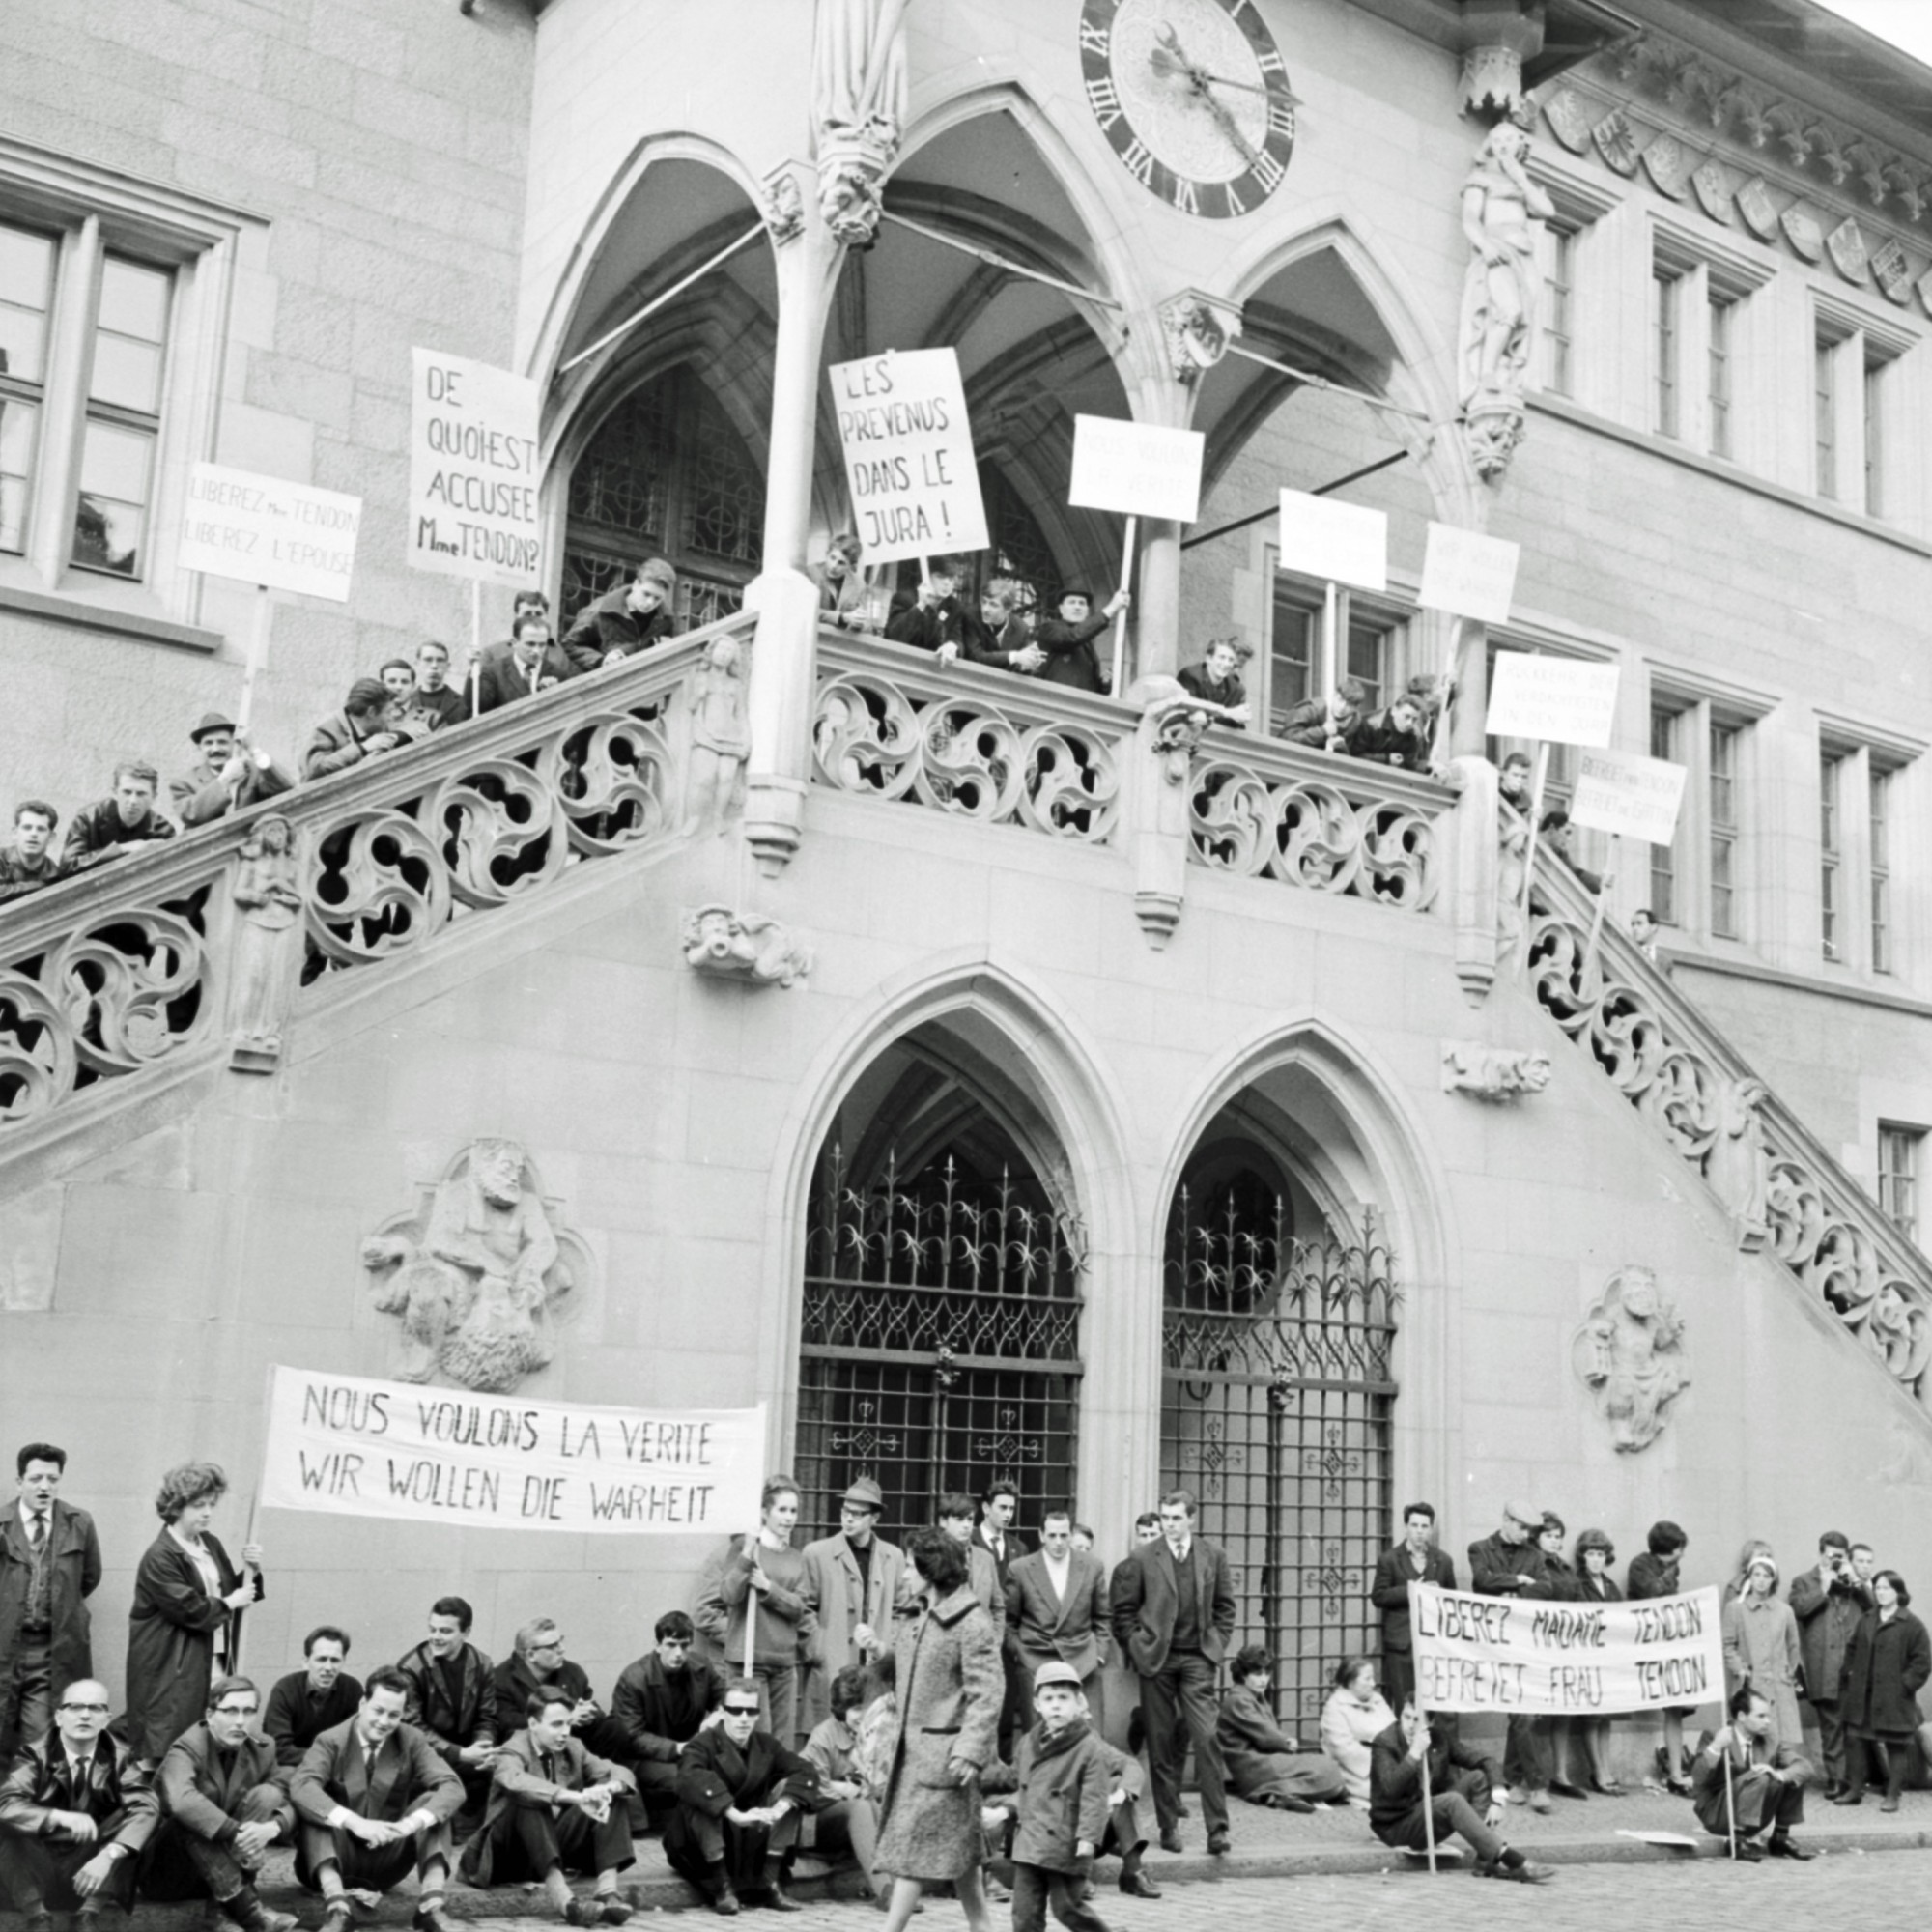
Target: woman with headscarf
x: 1356, y: 1714
x: 1762, y: 1649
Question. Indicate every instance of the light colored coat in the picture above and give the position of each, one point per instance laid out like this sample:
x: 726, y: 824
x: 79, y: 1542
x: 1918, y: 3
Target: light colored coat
x: 1761, y: 1643
x: 1349, y: 1729
x: 834, y: 1576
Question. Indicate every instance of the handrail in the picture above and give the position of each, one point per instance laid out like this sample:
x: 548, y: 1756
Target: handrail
x: 1784, y: 1191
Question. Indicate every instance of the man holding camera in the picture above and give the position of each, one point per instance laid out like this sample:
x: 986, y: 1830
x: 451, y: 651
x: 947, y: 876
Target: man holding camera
x: 1827, y: 1602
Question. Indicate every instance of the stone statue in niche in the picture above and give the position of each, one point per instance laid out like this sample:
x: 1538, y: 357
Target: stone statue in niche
x: 859, y: 91
x: 476, y: 1275
x: 1629, y: 1354
x: 730, y: 944
x: 1492, y: 1072
x: 721, y: 740
x: 1739, y: 1164
x: 268, y: 895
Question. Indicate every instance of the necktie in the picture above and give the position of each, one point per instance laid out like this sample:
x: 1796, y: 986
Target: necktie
x: 37, y: 1528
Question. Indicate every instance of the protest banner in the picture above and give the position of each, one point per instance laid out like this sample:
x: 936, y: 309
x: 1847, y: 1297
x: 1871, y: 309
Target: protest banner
x: 909, y: 460
x: 1342, y: 543
x: 475, y: 471
x: 1467, y: 574
x: 1626, y: 794
x: 349, y: 1445
x: 1579, y: 1659
x: 1549, y: 697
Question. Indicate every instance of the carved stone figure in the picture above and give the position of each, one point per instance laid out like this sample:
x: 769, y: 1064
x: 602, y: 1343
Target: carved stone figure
x: 264, y: 964
x: 1492, y: 1072
x: 744, y: 945
x: 858, y: 95
x: 784, y: 206
x: 1172, y: 723
x: 1628, y: 1353
x: 1739, y: 1165
x: 476, y: 1273
x: 721, y: 740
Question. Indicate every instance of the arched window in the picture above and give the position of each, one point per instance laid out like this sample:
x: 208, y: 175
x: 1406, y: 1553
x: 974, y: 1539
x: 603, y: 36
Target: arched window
x: 1020, y: 550
x: 665, y: 475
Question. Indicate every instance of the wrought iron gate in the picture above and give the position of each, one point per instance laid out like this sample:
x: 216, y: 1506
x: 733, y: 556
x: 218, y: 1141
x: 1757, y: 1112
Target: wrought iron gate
x: 1277, y: 1401
x: 940, y: 1343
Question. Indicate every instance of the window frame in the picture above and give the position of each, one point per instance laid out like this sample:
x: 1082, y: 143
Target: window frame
x: 1832, y: 775
x: 1897, y: 1191
x: 1355, y: 612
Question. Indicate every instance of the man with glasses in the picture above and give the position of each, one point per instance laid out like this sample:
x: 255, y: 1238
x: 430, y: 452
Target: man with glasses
x: 539, y: 1664
x: 858, y: 1577
x: 662, y: 1702
x: 50, y: 1565
x: 76, y: 1811
x: 741, y: 1794
x: 222, y: 1807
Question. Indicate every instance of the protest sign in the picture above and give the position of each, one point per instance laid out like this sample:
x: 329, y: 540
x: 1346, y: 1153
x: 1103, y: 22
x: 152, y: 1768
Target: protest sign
x: 1341, y: 542
x: 262, y: 530
x: 1467, y: 574
x: 1556, y: 699
x: 1579, y: 1659
x: 908, y: 455
x: 1139, y: 470
x: 473, y: 472
x: 1621, y: 791
x: 352, y: 1446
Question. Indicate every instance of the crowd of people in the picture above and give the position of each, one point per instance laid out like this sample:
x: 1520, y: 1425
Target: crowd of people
x: 926, y: 1712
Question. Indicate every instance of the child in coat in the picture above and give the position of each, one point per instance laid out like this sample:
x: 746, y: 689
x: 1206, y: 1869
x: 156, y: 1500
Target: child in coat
x: 1061, y: 1778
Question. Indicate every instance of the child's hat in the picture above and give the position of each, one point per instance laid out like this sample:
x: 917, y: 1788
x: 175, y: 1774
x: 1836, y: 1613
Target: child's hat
x: 1059, y: 1671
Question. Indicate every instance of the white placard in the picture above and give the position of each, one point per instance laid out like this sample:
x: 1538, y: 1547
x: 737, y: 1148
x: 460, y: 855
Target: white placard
x: 260, y: 529
x: 1467, y: 574
x: 1558, y: 699
x: 1341, y: 542
x: 473, y: 472
x: 909, y: 460
x: 1623, y: 791
x: 349, y: 1445
x: 1139, y: 470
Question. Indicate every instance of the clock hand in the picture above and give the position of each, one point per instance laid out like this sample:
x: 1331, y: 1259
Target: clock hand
x: 1227, y: 124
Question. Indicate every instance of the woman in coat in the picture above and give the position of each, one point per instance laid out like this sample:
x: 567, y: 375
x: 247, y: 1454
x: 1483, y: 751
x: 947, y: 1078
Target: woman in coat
x: 1886, y: 1664
x: 1558, y: 1586
x: 1266, y: 1766
x: 1595, y: 1555
x: 185, y: 1624
x: 1762, y: 1649
x: 1354, y: 1718
x: 950, y: 1685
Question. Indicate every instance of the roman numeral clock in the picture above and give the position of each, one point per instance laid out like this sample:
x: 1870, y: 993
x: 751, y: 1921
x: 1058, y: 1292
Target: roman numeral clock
x: 1193, y: 97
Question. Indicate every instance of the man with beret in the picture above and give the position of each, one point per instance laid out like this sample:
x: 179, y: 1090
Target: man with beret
x: 859, y: 1577
x: 1509, y: 1564
x: 231, y: 777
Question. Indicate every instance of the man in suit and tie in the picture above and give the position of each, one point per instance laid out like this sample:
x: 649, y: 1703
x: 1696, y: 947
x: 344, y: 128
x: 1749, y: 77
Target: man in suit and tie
x: 528, y: 664
x: 1174, y: 1612
x: 76, y: 1811
x: 1415, y: 1559
x: 373, y: 1799
x: 998, y: 1504
x: 1057, y: 1608
x: 50, y: 1565
x: 858, y: 1575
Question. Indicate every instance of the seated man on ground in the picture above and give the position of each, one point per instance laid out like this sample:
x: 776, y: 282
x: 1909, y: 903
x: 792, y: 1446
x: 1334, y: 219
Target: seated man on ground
x: 361, y: 729
x: 28, y: 864
x: 538, y: 1664
x: 77, y: 1808
x: 452, y: 1699
x: 373, y: 1800
x: 1266, y: 1766
x: 222, y: 1807
x: 1464, y: 1800
x: 231, y: 777
x: 1754, y: 1809
x: 849, y: 1826
x: 556, y: 1808
x: 1216, y: 680
x: 624, y: 621
x: 740, y: 1795
x: 307, y: 1702
x: 1327, y: 723
x: 108, y: 828
x: 662, y: 1702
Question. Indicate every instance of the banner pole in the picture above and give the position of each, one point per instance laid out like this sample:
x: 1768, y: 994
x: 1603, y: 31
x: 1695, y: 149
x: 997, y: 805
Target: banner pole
x: 1597, y: 927
x: 1439, y: 745
x: 261, y: 1475
x: 1422, y: 1712
x: 475, y: 646
x: 258, y: 652
x: 1529, y: 850
x: 1121, y: 621
x: 1330, y: 651
x: 1730, y: 1802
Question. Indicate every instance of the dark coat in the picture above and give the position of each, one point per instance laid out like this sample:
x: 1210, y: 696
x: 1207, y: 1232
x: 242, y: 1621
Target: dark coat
x: 1060, y: 1781
x: 1751, y: 1797
x: 200, y: 797
x: 1651, y: 1576
x: 204, y: 1796
x: 605, y: 626
x: 1496, y: 1565
x: 1231, y: 692
x: 1262, y: 1760
x: 715, y: 1775
x: 501, y: 681
x: 1377, y: 739
x: 1073, y: 1630
x: 99, y: 829
x: 926, y: 628
x: 120, y: 1796
x: 74, y: 1552
x: 1071, y: 656
x: 1395, y: 1778
x: 514, y: 1683
x: 451, y: 1727
x: 1307, y: 724
x: 293, y: 1721
x: 656, y: 1722
x: 20, y: 875
x: 1146, y: 1598
x: 1828, y: 1614
x: 1389, y: 1593
x: 171, y: 1641
x: 1886, y: 1666
x: 334, y: 745
x: 518, y: 1778
x: 406, y: 1776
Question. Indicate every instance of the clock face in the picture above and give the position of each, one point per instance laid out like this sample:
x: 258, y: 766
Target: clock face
x: 1193, y: 97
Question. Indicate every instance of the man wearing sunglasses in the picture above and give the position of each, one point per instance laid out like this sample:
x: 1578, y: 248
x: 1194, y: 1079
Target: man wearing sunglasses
x: 76, y: 1811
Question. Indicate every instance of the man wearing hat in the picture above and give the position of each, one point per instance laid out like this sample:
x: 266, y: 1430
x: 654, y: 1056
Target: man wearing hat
x: 231, y: 777
x: 858, y: 1575
x: 1509, y: 1564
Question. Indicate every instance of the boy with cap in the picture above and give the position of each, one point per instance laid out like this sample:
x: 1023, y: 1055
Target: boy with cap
x: 232, y: 775
x: 1062, y: 1779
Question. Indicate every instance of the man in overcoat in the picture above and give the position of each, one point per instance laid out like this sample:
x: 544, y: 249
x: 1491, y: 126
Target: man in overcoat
x: 1827, y: 1602
x: 1174, y: 1612
x: 50, y: 1565
x: 1509, y: 1564
x: 1415, y: 1559
x: 1058, y: 1609
x: 858, y: 1575
x: 661, y: 1703
x: 453, y: 1699
x: 1766, y: 1784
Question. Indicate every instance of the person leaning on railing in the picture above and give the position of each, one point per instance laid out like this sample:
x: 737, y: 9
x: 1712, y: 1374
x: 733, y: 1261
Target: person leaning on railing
x: 361, y: 729
x: 1324, y: 723
x: 1067, y: 639
x: 128, y: 817
x: 27, y: 864
x: 1000, y: 636
x: 1216, y: 679
x: 623, y: 621
x: 232, y: 775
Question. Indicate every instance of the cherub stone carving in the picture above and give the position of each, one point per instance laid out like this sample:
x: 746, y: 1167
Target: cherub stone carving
x: 266, y: 891
x: 1628, y: 1353
x: 475, y: 1274
x: 744, y: 945
x: 1492, y: 1072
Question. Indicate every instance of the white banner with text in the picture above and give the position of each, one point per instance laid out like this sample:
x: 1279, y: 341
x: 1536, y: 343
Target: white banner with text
x: 908, y: 454
x: 352, y: 1446
x: 1624, y: 792
x: 268, y: 531
x: 473, y: 471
